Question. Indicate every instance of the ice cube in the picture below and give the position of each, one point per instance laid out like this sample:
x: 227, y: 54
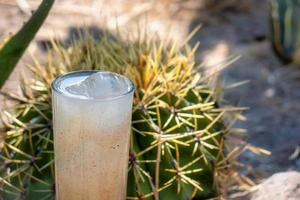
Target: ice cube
x: 100, y: 85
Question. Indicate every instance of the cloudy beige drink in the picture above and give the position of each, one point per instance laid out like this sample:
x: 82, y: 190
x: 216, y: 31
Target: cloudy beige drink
x: 92, y: 117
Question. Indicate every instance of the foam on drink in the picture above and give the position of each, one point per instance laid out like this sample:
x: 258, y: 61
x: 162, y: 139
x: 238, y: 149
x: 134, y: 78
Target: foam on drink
x: 96, y: 85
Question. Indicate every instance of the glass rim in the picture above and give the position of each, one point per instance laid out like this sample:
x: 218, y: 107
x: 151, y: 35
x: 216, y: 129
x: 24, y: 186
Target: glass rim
x: 55, y: 86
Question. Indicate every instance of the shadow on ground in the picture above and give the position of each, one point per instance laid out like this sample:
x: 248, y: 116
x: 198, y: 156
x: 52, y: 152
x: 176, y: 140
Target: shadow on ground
x: 273, y: 92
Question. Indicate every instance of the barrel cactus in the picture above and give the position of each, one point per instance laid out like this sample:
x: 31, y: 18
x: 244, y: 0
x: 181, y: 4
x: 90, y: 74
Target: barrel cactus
x: 285, y: 27
x: 182, y: 143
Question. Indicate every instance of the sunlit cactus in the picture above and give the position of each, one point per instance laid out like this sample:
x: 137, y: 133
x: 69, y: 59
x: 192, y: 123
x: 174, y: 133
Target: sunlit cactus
x: 182, y: 142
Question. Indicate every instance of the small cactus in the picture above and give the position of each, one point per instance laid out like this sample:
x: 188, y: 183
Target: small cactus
x: 285, y: 27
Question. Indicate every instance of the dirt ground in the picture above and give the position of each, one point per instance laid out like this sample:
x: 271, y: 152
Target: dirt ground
x: 229, y: 27
x: 273, y: 93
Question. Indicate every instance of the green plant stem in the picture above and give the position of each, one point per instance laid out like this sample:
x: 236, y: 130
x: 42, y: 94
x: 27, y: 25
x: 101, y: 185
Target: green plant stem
x: 13, y: 50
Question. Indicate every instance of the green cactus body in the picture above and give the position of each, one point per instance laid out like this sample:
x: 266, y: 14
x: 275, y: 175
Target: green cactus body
x: 178, y: 148
x: 177, y: 132
x: 285, y: 26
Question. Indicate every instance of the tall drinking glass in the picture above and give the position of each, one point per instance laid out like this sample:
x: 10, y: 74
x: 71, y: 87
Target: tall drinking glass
x: 91, y: 117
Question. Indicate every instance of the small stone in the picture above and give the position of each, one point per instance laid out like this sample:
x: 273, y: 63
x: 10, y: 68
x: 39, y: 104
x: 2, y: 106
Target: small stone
x: 280, y: 186
x: 270, y: 92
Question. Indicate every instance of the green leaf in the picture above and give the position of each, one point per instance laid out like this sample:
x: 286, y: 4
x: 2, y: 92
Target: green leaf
x: 13, y: 49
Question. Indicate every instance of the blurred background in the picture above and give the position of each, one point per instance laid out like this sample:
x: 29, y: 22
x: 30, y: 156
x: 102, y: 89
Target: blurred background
x: 245, y: 28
